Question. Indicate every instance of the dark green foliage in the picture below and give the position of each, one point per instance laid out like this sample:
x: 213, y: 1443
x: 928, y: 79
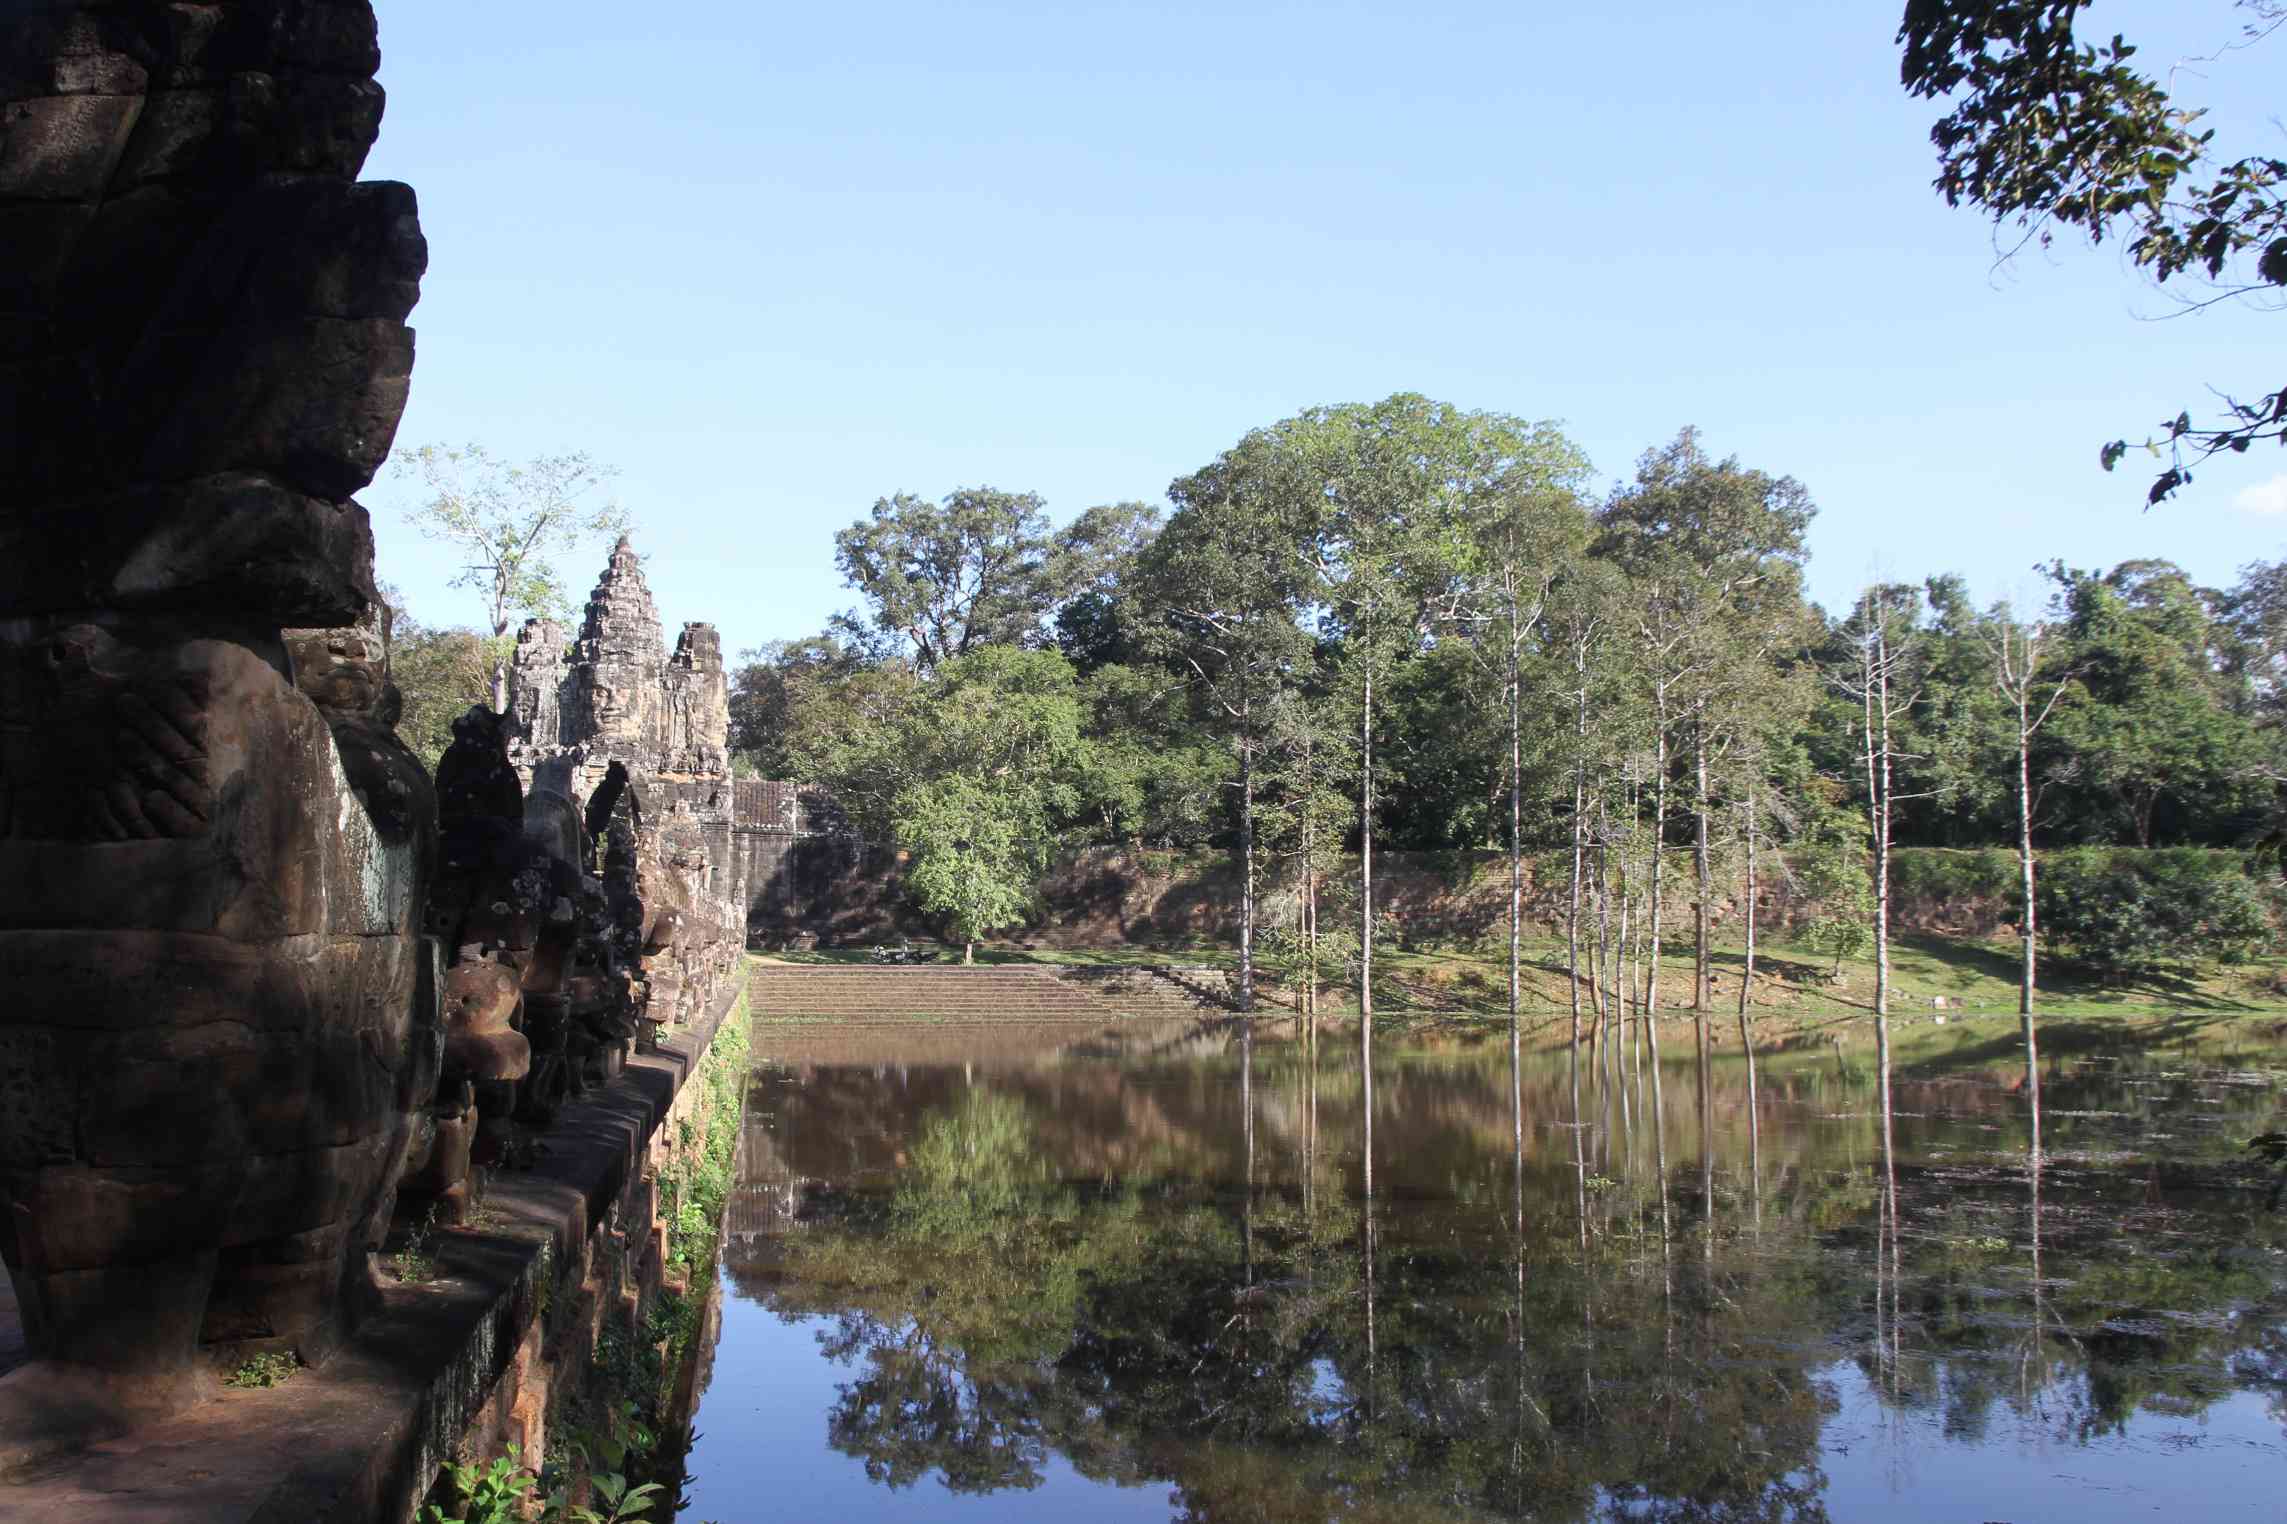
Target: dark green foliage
x: 1444, y: 780
x: 982, y: 569
x: 777, y: 694
x: 2148, y: 747
x: 439, y: 674
x: 1958, y: 876
x: 2126, y: 914
x: 1215, y: 670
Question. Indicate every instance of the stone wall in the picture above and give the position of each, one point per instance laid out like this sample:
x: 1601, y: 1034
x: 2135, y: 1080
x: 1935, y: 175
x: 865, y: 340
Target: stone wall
x: 216, y: 1007
x: 795, y: 850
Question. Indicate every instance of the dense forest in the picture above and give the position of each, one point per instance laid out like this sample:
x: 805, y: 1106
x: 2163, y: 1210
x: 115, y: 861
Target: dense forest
x: 1407, y: 626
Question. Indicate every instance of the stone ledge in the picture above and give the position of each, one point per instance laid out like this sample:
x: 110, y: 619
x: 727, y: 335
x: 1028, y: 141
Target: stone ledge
x: 360, y: 1440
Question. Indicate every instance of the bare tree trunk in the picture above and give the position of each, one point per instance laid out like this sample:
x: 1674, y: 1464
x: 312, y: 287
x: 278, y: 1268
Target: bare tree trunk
x: 968, y: 954
x: 1516, y: 820
x: 1307, y: 998
x: 1607, y: 983
x: 1579, y: 826
x: 1747, y: 984
x: 499, y: 633
x: 1659, y: 839
x: 1595, y: 962
x: 1652, y: 1041
x: 2025, y: 872
x: 1366, y: 862
x: 1702, y: 870
x: 1247, y: 857
x: 1882, y: 845
x: 1873, y: 782
x: 1747, y: 973
x: 1310, y: 911
x: 1624, y: 976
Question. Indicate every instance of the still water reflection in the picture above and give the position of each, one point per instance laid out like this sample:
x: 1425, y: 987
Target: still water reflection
x: 1008, y: 1274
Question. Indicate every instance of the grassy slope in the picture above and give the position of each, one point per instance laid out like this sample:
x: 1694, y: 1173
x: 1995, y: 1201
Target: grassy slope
x: 1975, y: 977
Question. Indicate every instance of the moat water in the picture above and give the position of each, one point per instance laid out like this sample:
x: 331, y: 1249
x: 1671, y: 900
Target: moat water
x: 1041, y: 1273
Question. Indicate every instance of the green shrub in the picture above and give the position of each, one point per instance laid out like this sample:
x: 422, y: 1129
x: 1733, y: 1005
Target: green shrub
x: 2127, y: 913
x: 1832, y: 879
x: 1934, y: 875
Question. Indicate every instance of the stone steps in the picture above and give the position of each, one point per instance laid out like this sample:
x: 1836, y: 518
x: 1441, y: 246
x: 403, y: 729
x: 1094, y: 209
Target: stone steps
x: 807, y: 992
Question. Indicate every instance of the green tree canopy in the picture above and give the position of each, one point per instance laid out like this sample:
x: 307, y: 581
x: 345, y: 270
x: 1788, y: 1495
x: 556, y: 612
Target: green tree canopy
x: 439, y: 674
x: 982, y: 568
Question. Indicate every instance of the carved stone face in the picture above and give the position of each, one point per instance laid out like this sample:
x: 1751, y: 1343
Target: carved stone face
x: 343, y: 670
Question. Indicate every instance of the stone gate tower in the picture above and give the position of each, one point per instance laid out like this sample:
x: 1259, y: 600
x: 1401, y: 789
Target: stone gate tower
x: 615, y: 697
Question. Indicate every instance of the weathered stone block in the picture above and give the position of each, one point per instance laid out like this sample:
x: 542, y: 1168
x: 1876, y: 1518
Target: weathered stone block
x: 236, y: 537
x: 63, y: 147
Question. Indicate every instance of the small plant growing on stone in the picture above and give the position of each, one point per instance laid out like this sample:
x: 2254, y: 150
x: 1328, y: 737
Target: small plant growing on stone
x: 621, y: 1502
x: 415, y: 1261
x: 262, y: 1371
x: 496, y: 1494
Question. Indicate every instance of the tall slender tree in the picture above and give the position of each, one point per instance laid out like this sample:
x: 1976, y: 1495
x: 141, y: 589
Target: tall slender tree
x: 1714, y: 551
x: 1524, y: 532
x: 1222, y: 588
x: 2031, y: 680
x: 1880, y: 681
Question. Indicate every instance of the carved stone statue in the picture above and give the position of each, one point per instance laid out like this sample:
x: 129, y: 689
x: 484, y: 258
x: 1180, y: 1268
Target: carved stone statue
x: 212, y: 849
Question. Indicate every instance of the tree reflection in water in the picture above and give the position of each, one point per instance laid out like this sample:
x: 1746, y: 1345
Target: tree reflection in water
x: 1172, y: 1270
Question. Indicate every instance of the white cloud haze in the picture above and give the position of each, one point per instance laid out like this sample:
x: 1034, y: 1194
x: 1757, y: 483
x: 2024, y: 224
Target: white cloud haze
x: 2264, y: 497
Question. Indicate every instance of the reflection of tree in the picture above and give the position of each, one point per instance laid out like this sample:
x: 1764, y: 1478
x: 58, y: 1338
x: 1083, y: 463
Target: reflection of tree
x: 1541, y: 1347
x: 916, y: 1409
x: 996, y: 1314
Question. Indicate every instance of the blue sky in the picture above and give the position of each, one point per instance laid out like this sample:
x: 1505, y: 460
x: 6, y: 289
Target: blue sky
x: 774, y: 263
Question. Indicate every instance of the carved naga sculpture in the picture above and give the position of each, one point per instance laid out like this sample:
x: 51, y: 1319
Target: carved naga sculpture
x: 212, y: 850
